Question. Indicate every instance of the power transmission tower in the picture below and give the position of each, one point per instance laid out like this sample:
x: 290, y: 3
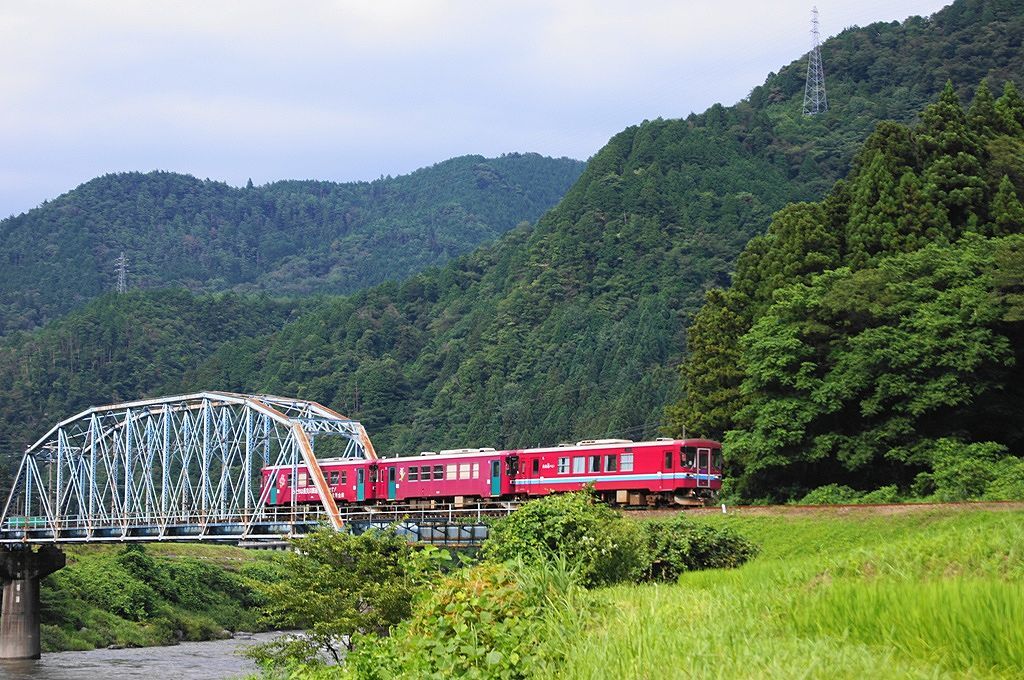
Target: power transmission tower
x: 122, y: 274
x: 815, y: 100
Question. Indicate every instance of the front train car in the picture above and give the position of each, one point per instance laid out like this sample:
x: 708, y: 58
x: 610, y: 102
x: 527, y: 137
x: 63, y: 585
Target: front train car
x: 623, y: 472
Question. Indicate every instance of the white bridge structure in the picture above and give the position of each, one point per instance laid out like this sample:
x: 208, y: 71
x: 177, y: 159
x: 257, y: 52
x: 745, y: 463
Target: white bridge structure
x: 184, y: 467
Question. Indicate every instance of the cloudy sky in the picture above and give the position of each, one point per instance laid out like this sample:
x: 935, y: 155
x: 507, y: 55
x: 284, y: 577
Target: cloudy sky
x: 345, y: 90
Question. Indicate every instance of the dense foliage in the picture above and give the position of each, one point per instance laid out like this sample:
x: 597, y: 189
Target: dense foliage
x: 340, y: 584
x: 602, y: 547
x: 592, y: 538
x: 489, y: 621
x: 512, y: 615
x: 118, y: 348
x: 288, y: 237
x: 131, y: 597
x: 862, y: 331
x: 573, y: 329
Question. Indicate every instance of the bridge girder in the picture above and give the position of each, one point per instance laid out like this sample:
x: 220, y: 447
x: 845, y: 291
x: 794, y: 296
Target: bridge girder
x: 186, y: 465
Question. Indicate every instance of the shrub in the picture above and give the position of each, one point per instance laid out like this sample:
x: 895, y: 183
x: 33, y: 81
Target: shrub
x: 680, y: 545
x: 596, y: 541
x: 964, y: 471
x: 489, y: 621
x: 831, y: 494
x: 338, y: 585
x: 883, y: 494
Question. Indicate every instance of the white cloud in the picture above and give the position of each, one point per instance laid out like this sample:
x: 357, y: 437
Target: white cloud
x: 353, y: 89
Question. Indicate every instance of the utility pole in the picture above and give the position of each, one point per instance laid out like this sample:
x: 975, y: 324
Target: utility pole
x: 122, y: 274
x: 815, y: 100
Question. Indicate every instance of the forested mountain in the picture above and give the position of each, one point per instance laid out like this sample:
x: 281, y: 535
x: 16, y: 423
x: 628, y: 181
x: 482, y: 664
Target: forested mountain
x: 117, y: 348
x: 878, y: 335
x: 576, y: 327
x: 286, y: 238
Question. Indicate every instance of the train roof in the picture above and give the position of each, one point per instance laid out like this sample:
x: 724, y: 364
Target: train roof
x: 452, y: 455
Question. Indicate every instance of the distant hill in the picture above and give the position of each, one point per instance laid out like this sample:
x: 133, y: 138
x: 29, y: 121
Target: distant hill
x: 575, y: 327
x: 292, y: 237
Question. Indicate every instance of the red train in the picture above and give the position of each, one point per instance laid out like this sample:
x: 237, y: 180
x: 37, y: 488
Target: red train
x: 665, y: 471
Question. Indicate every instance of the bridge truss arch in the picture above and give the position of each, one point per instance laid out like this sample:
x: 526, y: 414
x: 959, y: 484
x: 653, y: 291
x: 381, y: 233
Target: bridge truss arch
x: 184, y: 467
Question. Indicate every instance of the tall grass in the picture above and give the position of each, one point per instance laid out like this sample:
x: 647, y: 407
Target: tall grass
x: 956, y: 624
x: 929, y: 595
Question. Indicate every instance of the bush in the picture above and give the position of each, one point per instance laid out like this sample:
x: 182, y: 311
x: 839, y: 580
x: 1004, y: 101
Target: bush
x: 339, y: 585
x: 596, y: 541
x: 964, y: 471
x: 490, y: 621
x: 831, y: 494
x: 680, y: 545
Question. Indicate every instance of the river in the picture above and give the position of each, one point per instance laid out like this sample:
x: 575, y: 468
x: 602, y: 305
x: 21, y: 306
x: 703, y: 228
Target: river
x: 198, y: 660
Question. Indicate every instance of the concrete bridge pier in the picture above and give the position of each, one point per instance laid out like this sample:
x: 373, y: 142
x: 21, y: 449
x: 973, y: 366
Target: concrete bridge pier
x: 21, y: 570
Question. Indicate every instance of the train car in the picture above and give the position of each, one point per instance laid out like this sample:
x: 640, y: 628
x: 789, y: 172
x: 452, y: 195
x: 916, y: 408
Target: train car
x: 349, y: 480
x: 660, y: 472
x: 467, y: 475
x: 664, y: 471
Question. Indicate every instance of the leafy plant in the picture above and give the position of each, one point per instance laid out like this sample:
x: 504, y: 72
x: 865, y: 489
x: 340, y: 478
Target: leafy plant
x: 593, y: 539
x: 340, y: 585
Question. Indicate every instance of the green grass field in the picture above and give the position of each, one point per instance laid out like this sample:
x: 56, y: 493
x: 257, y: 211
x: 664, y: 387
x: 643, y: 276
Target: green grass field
x: 933, y: 593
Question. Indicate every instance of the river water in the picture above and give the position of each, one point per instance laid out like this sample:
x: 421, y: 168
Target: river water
x: 198, y: 660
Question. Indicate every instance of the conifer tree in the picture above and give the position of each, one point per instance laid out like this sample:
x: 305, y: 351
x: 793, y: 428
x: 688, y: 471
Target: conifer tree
x: 1007, y: 211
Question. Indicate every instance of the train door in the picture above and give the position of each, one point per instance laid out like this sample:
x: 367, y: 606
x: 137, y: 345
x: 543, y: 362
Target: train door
x: 361, y: 484
x: 392, y: 487
x: 272, y: 481
x: 668, y: 478
x: 495, y: 477
x: 704, y: 467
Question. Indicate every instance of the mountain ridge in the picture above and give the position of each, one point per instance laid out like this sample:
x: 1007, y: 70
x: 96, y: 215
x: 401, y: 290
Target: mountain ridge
x: 288, y: 237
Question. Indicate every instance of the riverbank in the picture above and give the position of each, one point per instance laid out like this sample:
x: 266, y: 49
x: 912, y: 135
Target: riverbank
x: 161, y: 594
x: 834, y: 594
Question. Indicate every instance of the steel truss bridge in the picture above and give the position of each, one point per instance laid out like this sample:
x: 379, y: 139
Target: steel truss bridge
x: 179, y: 468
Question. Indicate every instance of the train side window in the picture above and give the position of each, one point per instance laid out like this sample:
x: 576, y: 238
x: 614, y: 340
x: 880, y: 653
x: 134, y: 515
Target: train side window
x: 476, y: 470
x: 609, y: 463
x: 464, y: 471
x: 595, y: 463
x: 668, y: 460
x: 536, y: 465
x: 563, y: 466
x: 627, y: 462
x: 334, y: 478
x: 452, y: 471
x: 438, y: 472
x: 303, y: 479
x: 344, y: 476
x: 414, y: 473
x: 579, y: 465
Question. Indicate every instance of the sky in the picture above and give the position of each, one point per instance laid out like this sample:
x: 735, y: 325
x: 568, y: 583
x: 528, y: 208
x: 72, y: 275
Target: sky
x: 343, y: 90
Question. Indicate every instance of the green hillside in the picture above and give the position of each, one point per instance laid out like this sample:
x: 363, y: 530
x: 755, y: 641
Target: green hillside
x: 875, y: 337
x: 573, y: 328
x: 576, y: 327
x: 286, y: 238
